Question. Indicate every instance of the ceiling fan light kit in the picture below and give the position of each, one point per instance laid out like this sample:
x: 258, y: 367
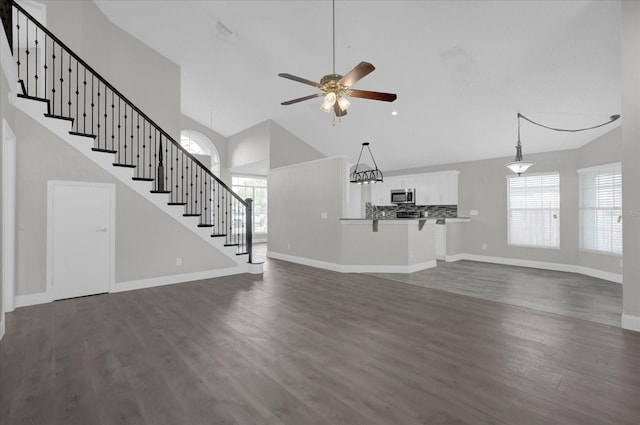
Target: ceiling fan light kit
x: 335, y: 88
x: 519, y: 166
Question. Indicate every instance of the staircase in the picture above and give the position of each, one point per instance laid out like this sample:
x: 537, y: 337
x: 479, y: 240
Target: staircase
x: 58, y: 89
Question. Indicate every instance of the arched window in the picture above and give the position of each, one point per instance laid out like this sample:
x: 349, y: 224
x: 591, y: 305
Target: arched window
x: 199, y: 144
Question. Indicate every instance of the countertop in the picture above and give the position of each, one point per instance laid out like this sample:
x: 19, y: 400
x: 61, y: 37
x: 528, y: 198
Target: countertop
x: 446, y: 219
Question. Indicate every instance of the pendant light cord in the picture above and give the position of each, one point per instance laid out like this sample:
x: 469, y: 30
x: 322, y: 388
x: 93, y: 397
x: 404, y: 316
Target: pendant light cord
x: 333, y: 11
x: 612, y: 119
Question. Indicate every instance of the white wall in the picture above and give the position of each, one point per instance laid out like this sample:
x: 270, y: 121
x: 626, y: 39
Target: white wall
x: 285, y: 148
x: 217, y: 139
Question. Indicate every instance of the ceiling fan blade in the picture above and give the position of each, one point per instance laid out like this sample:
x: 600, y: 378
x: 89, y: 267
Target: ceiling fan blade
x: 339, y: 112
x: 373, y: 95
x: 361, y: 70
x: 299, y: 79
x: 300, y: 99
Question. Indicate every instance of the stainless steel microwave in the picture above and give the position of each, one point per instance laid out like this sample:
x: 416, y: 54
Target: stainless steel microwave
x: 403, y: 196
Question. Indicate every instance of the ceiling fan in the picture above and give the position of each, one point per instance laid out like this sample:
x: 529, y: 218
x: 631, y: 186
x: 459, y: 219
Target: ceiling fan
x: 335, y: 87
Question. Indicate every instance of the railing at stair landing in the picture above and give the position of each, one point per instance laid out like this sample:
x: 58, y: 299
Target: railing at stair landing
x: 50, y: 72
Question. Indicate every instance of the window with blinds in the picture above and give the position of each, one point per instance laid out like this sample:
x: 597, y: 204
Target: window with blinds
x: 534, y: 210
x: 601, y: 208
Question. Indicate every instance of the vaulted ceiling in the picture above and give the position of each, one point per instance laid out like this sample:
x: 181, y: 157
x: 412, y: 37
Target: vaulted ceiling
x: 461, y: 69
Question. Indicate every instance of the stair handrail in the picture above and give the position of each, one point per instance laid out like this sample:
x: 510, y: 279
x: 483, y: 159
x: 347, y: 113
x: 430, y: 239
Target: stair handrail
x: 131, y: 105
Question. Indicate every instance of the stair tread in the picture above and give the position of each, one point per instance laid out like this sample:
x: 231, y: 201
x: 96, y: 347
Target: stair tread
x: 75, y: 133
x: 242, y: 253
x: 191, y: 215
x: 59, y: 117
x: 143, y: 179
x: 103, y: 150
x: 206, y: 225
x: 161, y: 191
x: 219, y: 235
x: 39, y: 99
x: 232, y: 244
x: 115, y: 164
x: 173, y: 203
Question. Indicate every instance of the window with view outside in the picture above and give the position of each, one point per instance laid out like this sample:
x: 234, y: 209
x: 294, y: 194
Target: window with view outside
x: 534, y: 210
x: 601, y: 208
x: 256, y: 189
x: 203, y: 148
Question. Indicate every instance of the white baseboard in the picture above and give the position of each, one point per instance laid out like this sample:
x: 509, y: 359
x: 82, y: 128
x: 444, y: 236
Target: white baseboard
x: 452, y: 258
x: 32, y: 299
x: 570, y: 268
x: 521, y: 263
x: 600, y: 274
x: 355, y: 268
x: 630, y: 322
x: 133, y: 285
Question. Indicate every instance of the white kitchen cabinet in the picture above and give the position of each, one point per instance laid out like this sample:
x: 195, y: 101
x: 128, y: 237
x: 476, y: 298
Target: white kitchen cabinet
x: 448, y: 188
x: 381, y: 193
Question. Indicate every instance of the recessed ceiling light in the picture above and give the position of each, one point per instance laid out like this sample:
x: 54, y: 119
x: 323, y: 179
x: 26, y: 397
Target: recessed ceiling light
x: 394, y: 113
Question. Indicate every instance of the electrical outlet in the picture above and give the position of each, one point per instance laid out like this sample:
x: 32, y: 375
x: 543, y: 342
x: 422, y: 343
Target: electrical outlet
x: 484, y: 246
x: 178, y: 261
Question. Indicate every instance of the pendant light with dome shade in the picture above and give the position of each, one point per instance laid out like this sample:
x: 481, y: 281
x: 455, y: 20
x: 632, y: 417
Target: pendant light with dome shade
x: 519, y: 166
x: 366, y: 176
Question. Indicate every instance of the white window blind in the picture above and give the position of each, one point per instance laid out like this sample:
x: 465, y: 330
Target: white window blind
x: 534, y: 210
x: 601, y: 208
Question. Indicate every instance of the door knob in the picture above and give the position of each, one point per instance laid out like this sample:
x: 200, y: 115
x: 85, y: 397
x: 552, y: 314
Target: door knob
x: 104, y: 229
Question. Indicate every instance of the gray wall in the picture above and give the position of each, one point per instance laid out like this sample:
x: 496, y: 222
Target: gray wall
x: 631, y: 154
x: 6, y: 112
x: 146, y: 78
x: 298, y: 195
x: 482, y: 186
x: 286, y: 148
x: 148, y: 241
x: 249, y: 147
x: 268, y: 145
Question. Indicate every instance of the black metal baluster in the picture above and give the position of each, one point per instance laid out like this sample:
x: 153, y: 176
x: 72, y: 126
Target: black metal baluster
x: 53, y: 79
x: 27, y: 54
x: 99, y: 117
x: 77, y: 94
x: 69, y: 83
x: 36, y: 69
x: 182, y: 176
x: 131, y: 143
x: 125, y: 130
x: 18, y: 42
x: 165, y: 184
x: 84, y: 104
x: 46, y: 77
x: 92, y: 106
x: 119, y: 140
x: 61, y: 78
x: 144, y: 170
x: 113, y: 122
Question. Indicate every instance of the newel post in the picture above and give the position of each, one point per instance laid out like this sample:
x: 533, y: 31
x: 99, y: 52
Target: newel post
x: 249, y: 228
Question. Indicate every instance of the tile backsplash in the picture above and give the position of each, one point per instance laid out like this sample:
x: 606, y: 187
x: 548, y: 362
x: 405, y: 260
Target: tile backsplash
x: 371, y: 211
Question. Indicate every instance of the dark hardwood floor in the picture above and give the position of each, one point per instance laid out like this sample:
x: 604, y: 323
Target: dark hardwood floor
x: 303, y: 346
x: 567, y: 294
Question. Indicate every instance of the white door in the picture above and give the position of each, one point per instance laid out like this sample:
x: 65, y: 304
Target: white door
x: 81, y: 220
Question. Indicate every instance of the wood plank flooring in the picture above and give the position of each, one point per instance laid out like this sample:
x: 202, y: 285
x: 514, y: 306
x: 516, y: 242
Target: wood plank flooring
x: 567, y: 294
x: 303, y: 346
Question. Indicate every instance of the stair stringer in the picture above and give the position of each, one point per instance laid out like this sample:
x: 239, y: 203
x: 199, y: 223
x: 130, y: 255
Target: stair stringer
x: 37, y: 110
